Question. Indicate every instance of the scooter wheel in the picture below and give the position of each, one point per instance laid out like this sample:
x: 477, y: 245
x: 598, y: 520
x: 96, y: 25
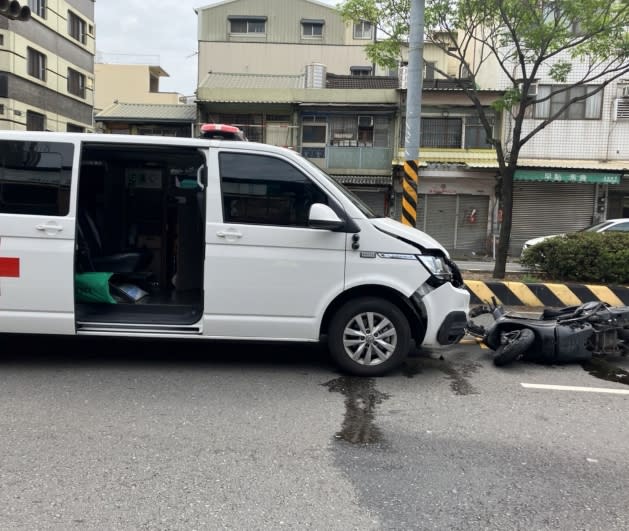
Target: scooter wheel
x: 515, y: 344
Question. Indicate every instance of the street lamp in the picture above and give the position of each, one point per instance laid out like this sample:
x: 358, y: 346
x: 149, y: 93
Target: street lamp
x: 13, y: 10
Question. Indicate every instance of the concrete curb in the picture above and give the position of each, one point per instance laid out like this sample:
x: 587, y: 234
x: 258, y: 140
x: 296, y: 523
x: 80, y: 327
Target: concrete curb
x: 544, y: 294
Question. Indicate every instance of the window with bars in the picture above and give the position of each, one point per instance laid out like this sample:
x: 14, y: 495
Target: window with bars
x: 244, y: 25
x: 587, y: 109
x: 359, y: 131
x: 38, y: 7
x: 448, y: 132
x: 76, y: 83
x: 36, y: 64
x: 363, y: 30
x: 77, y: 27
x: 441, y: 132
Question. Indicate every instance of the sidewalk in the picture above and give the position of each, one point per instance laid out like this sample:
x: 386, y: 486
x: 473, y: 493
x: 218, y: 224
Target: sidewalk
x: 487, y: 265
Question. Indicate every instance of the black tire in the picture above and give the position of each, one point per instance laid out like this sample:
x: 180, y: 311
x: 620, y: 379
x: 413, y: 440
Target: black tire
x: 515, y: 344
x: 381, y: 351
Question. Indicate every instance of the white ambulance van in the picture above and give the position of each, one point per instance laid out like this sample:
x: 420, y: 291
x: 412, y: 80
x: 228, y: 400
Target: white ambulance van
x: 114, y: 235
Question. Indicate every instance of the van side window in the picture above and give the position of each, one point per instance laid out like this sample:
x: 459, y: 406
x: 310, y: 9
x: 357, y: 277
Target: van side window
x: 35, y: 177
x: 265, y: 190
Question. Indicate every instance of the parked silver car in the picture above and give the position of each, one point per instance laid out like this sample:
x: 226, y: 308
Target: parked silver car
x: 613, y: 225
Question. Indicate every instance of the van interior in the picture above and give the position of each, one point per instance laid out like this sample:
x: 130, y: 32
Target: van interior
x: 140, y: 224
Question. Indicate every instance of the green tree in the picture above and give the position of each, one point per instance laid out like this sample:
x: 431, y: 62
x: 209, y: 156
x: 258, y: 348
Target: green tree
x: 582, y: 45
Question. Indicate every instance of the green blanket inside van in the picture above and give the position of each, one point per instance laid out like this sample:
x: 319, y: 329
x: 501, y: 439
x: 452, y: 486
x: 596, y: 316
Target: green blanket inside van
x: 93, y: 287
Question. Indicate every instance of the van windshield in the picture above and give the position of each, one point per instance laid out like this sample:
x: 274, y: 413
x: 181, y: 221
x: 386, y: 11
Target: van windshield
x: 358, y: 203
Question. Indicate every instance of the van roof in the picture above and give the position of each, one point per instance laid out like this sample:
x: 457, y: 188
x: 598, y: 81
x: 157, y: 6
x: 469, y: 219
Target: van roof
x: 140, y: 139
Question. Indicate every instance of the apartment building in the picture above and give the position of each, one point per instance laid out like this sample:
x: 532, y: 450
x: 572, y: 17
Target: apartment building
x: 280, y: 37
x: 130, y: 83
x: 47, y: 67
x: 575, y: 172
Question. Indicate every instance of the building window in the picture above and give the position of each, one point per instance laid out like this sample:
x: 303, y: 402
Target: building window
x: 441, y: 132
x: 475, y: 135
x: 76, y: 83
x: 1, y: 39
x: 35, y: 177
x: 588, y: 109
x: 359, y: 131
x: 38, y: 7
x: 35, y: 121
x: 312, y: 29
x: 363, y: 30
x: 77, y: 27
x: 73, y: 128
x: 263, y: 190
x: 360, y: 70
x: 429, y: 71
x: 1, y: 108
x: 247, y: 25
x: 36, y: 64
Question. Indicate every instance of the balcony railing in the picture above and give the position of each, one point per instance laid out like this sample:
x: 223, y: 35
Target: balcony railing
x: 359, y: 157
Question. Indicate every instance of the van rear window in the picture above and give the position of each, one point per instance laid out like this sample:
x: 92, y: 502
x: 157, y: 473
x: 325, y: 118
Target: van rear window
x: 35, y: 177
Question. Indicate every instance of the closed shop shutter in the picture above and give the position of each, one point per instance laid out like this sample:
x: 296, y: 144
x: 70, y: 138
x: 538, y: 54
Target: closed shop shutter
x: 375, y: 200
x: 437, y: 216
x: 540, y: 209
x: 622, y: 187
x: 618, y: 199
x: 471, y: 234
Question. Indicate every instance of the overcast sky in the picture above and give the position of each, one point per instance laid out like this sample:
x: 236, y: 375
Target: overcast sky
x: 162, y: 31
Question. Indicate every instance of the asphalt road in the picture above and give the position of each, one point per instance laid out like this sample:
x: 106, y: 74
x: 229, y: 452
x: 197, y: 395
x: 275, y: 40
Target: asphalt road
x: 111, y: 434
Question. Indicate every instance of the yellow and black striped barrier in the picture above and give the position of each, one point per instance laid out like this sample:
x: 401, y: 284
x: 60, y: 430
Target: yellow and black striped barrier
x: 545, y: 294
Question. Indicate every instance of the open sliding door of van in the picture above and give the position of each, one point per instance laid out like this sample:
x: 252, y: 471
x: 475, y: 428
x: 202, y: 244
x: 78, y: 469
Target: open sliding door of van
x: 140, y: 237
x: 37, y: 226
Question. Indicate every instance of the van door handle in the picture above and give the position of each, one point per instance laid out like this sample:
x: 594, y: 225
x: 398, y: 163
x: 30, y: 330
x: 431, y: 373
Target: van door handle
x: 49, y: 228
x: 229, y: 234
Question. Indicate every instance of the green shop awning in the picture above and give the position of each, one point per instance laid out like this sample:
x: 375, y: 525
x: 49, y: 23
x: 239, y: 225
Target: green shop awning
x: 576, y: 177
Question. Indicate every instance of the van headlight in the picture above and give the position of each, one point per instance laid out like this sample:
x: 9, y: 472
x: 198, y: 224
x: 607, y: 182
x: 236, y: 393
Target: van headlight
x: 436, y: 266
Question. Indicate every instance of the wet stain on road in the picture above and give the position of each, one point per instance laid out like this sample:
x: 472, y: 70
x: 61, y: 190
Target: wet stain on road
x: 458, y: 375
x: 361, y: 399
x: 600, y: 368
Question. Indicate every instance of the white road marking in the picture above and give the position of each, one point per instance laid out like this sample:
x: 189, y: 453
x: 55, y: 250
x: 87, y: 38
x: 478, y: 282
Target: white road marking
x: 578, y: 389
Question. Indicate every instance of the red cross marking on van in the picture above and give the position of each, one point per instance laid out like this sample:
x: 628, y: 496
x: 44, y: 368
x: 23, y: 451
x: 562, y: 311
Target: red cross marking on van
x: 9, y: 267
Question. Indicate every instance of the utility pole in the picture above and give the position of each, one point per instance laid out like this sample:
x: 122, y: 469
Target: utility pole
x: 413, y: 113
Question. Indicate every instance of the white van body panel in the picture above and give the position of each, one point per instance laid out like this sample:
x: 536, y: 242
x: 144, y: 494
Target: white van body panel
x: 264, y: 281
x: 396, y: 228
x: 259, y: 281
x: 404, y: 276
x: 270, y: 282
x: 41, y: 299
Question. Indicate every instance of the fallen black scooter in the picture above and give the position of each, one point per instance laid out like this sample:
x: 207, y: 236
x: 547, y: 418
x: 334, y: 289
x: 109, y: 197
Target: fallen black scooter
x: 564, y: 335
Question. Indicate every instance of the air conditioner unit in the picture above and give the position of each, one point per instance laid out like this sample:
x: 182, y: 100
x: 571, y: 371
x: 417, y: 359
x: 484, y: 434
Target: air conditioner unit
x: 625, y: 92
x: 621, y: 109
x: 365, y: 121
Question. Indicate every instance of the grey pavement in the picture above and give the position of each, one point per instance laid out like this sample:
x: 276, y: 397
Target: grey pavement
x: 113, y: 434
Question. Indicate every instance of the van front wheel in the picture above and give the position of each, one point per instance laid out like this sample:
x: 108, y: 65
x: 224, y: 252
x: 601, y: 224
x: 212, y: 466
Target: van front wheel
x: 369, y: 336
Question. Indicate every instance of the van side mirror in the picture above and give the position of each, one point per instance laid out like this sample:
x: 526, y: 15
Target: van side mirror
x: 323, y: 217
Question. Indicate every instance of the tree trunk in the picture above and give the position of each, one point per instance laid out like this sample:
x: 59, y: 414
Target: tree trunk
x: 505, y: 227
